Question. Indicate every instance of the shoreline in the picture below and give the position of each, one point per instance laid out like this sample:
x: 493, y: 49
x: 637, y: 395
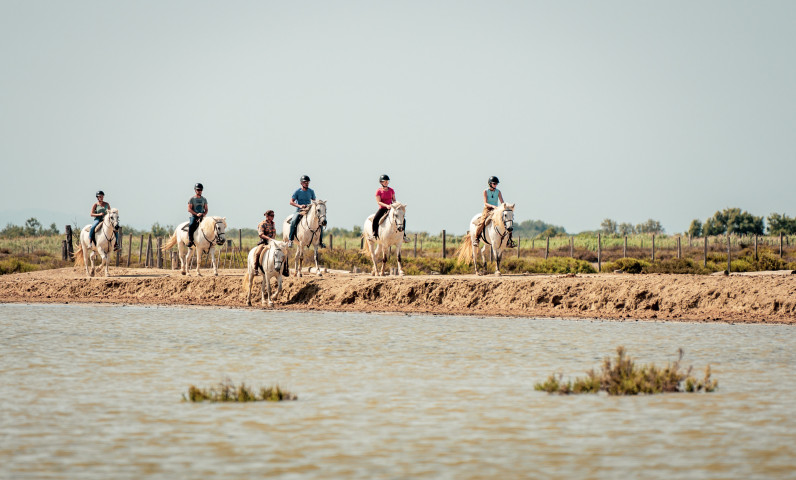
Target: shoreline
x: 764, y: 298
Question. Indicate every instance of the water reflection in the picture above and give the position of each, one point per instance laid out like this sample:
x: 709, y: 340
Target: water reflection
x: 94, y: 392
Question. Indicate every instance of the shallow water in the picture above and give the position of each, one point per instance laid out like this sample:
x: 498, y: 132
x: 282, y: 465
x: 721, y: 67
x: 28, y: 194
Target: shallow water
x: 95, y: 392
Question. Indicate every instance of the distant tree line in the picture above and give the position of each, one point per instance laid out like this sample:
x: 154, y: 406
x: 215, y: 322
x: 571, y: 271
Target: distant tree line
x: 32, y: 227
x: 610, y: 227
x: 736, y: 221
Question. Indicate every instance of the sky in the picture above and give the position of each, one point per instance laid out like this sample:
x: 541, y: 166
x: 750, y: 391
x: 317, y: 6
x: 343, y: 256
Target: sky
x: 585, y: 110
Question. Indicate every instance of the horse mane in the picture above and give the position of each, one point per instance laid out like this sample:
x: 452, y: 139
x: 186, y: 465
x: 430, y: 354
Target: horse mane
x: 208, y: 227
x: 497, y: 216
x: 398, y: 205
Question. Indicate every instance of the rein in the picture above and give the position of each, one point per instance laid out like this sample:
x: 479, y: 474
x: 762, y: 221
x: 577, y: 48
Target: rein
x: 215, y: 236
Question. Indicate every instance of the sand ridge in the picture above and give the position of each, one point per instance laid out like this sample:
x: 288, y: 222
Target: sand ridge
x: 761, y: 298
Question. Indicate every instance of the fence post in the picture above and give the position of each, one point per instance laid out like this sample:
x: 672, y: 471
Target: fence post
x: 729, y: 264
x: 64, y: 250
x: 547, y: 249
x: 160, y: 252
x: 121, y: 245
x: 69, y: 248
x: 599, y: 252
x: 519, y: 245
x: 756, y: 247
x: 624, y: 249
x: 140, y: 252
x: 443, y: 243
x: 706, y: 251
x: 331, y: 242
x: 148, y: 262
x: 653, y: 247
x: 679, y: 250
x: 129, y: 249
x: 571, y: 247
x: 780, y: 244
x: 415, y: 245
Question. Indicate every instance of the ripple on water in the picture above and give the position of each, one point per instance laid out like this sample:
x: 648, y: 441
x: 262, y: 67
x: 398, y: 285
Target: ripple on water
x: 95, y: 392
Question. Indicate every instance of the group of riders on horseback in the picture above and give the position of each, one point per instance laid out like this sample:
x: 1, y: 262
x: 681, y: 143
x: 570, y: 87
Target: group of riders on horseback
x: 306, y: 204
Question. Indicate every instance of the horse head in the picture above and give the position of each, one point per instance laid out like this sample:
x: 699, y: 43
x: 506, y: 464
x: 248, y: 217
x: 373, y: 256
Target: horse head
x: 398, y: 212
x: 507, y: 216
x: 113, y: 218
x: 220, y: 228
x: 280, y: 254
x: 320, y: 211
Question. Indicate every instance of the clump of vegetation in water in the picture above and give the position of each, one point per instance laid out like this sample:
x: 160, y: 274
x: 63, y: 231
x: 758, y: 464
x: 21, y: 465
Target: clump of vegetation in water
x: 623, y: 377
x: 227, y: 391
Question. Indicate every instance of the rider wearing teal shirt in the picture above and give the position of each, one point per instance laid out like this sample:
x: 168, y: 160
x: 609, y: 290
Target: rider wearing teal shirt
x: 197, y: 207
x: 300, y: 199
x: 98, y: 212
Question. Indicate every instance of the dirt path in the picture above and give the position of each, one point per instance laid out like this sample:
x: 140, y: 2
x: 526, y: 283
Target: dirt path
x: 762, y: 298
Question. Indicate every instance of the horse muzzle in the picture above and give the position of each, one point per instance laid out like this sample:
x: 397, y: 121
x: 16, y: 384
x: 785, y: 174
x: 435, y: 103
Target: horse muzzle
x: 510, y: 229
x: 220, y: 241
x: 323, y: 223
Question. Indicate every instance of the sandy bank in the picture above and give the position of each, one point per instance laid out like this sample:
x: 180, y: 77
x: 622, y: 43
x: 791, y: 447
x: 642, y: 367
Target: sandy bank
x: 762, y: 298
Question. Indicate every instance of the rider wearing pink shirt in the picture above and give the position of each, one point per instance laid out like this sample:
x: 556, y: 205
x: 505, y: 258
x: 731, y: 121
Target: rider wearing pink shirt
x: 385, y: 196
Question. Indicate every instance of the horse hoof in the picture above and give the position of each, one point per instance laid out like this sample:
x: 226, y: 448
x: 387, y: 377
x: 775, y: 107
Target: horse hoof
x: 271, y: 304
x: 183, y: 273
x: 497, y: 274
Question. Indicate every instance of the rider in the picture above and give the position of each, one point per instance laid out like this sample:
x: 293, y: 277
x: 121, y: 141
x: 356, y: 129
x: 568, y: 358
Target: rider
x: 197, y: 207
x: 492, y: 198
x: 301, y: 199
x: 266, y: 230
x: 98, y: 211
x: 385, y: 196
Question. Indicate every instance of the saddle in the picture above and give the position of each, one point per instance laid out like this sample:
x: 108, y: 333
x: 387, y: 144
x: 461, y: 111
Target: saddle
x: 185, y: 227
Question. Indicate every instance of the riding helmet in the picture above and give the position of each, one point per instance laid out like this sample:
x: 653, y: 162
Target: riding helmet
x: 304, y: 178
x: 99, y: 192
x: 493, y: 179
x: 198, y: 186
x: 383, y: 178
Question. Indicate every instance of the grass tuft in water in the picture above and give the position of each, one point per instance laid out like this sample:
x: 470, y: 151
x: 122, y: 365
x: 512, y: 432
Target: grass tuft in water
x: 622, y: 376
x: 227, y: 391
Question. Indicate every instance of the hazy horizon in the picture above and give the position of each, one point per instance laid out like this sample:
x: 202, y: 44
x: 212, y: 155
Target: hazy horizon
x: 585, y: 110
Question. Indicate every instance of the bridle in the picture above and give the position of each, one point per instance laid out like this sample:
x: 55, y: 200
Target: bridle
x: 218, y: 235
x: 508, y: 224
x: 395, y: 219
x: 114, y: 221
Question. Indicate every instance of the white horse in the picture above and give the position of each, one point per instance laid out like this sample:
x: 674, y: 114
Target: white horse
x: 496, y: 234
x: 105, y: 239
x: 391, y: 232
x: 211, y: 232
x: 308, y: 232
x: 271, y: 262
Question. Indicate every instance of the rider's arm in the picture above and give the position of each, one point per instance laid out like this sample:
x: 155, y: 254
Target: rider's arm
x: 378, y: 202
x: 207, y: 209
x: 94, y: 210
x: 293, y: 202
x: 500, y: 197
x: 190, y: 209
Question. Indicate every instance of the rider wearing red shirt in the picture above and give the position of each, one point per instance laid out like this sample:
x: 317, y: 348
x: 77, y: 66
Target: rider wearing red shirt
x: 385, y: 196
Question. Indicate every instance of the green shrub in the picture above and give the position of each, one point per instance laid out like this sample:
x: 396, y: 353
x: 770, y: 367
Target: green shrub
x: 16, y: 265
x: 227, y: 391
x: 627, y: 265
x: 623, y: 377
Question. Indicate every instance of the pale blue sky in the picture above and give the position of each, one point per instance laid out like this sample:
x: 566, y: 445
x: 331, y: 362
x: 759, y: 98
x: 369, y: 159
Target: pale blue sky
x: 585, y: 110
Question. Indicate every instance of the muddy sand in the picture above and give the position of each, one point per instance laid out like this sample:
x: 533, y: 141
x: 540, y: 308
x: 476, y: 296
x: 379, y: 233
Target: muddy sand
x: 768, y: 297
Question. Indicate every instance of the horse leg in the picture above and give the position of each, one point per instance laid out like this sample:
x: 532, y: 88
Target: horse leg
x: 384, y: 250
x: 262, y: 287
x: 91, y: 257
x: 317, y: 268
x: 105, y: 260
x: 198, y: 254
x: 475, y: 258
x: 373, y: 251
x: 498, y: 257
x: 212, y: 253
x: 398, y: 251
x: 278, y: 285
x: 267, y: 281
x: 299, y: 257
x: 250, y: 278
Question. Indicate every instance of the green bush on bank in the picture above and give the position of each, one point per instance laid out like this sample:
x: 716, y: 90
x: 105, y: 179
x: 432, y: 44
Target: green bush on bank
x: 716, y: 263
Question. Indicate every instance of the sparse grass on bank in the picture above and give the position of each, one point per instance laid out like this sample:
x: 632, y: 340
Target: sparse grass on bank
x: 227, y: 391
x: 716, y: 263
x: 624, y: 377
x: 347, y: 259
x: 28, y: 262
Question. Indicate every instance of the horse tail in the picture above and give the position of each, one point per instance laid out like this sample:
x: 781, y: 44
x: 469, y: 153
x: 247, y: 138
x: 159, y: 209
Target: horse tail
x: 465, y: 252
x: 364, y: 250
x: 172, y: 241
x: 78, y: 255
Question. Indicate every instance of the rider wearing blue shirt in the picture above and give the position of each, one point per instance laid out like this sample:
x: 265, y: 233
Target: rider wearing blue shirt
x: 300, y: 199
